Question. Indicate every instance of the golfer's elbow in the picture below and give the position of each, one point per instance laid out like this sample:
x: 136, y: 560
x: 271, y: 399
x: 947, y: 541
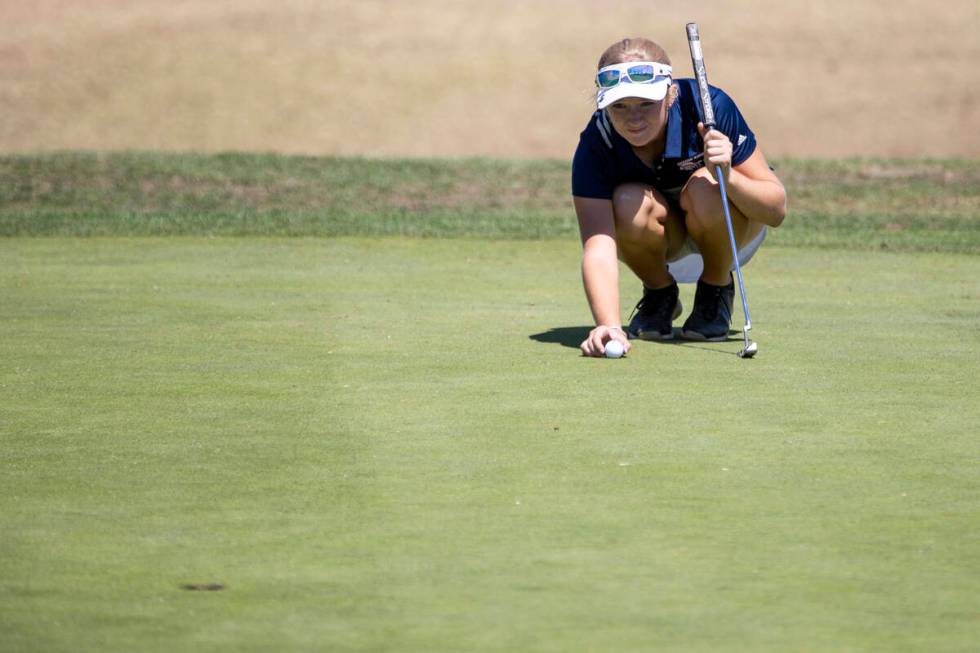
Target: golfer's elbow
x: 779, y: 214
x: 599, y: 247
x: 777, y: 209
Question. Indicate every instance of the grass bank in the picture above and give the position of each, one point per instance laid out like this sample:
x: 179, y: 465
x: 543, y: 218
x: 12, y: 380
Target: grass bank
x: 923, y: 205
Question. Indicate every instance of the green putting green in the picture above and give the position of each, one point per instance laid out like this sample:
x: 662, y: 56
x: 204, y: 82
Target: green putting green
x: 364, y: 444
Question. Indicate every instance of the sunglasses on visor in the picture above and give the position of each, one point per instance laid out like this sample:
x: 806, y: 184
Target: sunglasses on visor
x: 637, y: 73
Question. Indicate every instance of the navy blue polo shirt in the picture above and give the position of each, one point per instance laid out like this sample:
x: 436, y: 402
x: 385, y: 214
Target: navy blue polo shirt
x: 604, y: 159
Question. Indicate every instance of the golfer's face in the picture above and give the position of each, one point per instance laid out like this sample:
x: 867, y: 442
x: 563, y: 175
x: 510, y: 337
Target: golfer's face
x: 638, y: 120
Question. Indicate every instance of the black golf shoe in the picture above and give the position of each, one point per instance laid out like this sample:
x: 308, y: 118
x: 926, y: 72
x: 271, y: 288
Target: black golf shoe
x: 712, y: 314
x: 654, y: 312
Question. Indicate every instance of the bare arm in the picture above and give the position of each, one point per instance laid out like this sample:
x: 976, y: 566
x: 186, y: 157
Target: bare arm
x: 600, y: 271
x: 756, y: 191
x: 752, y: 185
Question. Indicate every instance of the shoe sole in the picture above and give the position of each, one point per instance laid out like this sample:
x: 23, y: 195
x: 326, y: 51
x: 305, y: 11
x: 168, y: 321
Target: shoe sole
x: 700, y: 337
x: 656, y: 335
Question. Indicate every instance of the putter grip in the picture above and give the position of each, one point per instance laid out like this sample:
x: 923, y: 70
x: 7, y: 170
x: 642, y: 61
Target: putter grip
x: 697, y: 61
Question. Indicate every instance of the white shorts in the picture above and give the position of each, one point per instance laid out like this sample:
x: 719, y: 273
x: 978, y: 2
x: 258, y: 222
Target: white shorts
x: 688, y: 265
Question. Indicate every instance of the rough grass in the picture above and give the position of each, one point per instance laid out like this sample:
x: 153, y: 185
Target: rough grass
x: 929, y: 205
x: 509, y: 78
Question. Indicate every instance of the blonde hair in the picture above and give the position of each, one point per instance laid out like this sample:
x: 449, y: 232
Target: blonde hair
x: 636, y: 49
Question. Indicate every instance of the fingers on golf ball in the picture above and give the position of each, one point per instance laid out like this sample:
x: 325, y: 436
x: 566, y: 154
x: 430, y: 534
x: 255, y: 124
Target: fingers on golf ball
x: 614, y: 349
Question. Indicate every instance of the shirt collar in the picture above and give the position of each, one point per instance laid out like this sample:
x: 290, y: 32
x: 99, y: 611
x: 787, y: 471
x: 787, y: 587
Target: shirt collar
x: 672, y: 148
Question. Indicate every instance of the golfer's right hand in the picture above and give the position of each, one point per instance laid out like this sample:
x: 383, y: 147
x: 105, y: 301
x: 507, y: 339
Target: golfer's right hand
x: 595, y: 344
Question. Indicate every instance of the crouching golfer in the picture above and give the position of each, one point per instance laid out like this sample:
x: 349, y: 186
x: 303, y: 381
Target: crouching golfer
x: 644, y: 192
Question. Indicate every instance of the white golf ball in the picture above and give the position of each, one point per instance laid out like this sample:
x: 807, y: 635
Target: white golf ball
x: 614, y: 349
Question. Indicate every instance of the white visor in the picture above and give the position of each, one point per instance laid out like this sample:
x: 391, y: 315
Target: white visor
x: 643, y: 79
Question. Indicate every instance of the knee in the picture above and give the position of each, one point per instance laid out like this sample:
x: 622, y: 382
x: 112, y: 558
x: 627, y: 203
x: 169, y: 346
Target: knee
x: 701, y: 201
x: 640, y: 211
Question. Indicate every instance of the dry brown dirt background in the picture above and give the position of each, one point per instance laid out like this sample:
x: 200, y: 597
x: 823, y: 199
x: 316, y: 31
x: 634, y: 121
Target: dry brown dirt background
x: 503, y: 79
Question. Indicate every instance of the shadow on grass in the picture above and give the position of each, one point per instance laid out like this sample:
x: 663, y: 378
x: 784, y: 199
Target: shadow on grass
x: 564, y: 336
x: 572, y: 337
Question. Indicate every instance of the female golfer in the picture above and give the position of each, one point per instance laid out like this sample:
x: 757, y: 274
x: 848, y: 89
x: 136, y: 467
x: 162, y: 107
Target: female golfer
x: 643, y: 181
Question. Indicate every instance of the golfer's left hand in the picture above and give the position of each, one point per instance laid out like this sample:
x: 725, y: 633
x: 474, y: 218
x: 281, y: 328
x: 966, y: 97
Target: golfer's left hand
x: 717, y: 151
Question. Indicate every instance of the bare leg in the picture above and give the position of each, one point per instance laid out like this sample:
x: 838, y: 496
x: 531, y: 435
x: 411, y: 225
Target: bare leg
x: 648, y: 231
x: 705, y: 222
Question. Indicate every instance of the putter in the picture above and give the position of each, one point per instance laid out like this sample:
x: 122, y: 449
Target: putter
x: 708, y: 112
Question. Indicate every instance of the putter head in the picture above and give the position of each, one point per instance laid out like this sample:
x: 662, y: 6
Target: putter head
x: 751, y: 349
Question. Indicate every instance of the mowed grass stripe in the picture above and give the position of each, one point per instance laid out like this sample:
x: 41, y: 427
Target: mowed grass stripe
x: 392, y: 443
x: 922, y: 205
